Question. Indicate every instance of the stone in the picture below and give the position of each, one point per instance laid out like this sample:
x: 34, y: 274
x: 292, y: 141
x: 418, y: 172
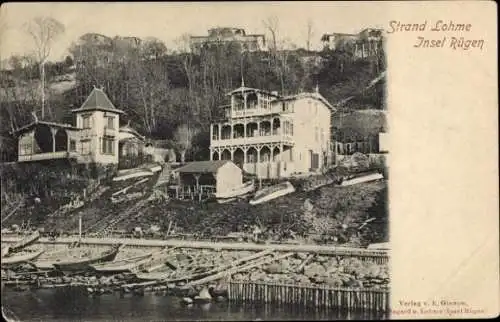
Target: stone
x: 308, y: 206
x: 321, y: 259
x: 187, y: 300
x: 273, y: 268
x: 314, y: 269
x: 334, y: 282
x: 302, y: 256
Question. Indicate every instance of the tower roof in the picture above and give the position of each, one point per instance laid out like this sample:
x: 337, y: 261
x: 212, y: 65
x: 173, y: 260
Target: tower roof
x: 98, y: 101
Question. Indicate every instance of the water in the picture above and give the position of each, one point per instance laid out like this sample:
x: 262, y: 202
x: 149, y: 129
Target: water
x: 75, y: 305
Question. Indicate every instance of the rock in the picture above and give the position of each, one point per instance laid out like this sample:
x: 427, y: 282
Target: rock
x: 187, y: 300
x: 321, y: 259
x: 238, y: 277
x: 333, y: 281
x: 220, y: 298
x: 273, y: 268
x: 301, y: 279
x: 302, y: 256
x: 308, y: 206
x: 256, y: 276
x: 203, y: 296
x: 314, y: 269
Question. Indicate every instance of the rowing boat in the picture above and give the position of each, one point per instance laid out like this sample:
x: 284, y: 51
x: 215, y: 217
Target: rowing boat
x: 272, y: 192
x: 83, y: 263
x: 243, y: 189
x: 122, y: 265
x: 28, y: 240
x: 360, y: 179
x: 20, y: 258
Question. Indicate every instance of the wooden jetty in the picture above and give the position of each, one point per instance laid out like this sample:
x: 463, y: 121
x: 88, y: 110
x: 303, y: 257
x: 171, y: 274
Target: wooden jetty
x: 307, y: 296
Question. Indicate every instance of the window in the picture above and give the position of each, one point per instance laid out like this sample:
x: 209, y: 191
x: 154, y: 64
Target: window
x: 85, y: 147
x: 86, y: 121
x: 316, y: 134
x: 72, y: 145
x: 110, y: 122
x: 108, y: 145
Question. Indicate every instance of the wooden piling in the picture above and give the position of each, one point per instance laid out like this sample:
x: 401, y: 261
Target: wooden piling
x: 310, y: 297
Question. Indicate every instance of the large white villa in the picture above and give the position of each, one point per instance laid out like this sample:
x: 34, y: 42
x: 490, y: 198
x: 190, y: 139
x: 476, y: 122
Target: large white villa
x: 274, y: 136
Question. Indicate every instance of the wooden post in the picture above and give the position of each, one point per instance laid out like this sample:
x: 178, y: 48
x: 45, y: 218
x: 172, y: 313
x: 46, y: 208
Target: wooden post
x: 80, y: 227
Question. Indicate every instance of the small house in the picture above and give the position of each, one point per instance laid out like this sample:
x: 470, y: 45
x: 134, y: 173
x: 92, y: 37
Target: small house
x: 201, y: 178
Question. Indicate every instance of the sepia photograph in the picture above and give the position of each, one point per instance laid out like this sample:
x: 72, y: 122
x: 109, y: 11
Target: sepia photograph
x: 194, y: 161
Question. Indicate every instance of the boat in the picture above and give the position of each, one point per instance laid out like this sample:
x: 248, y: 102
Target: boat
x: 272, y: 192
x: 122, y: 265
x: 23, y: 257
x: 362, y: 178
x: 379, y: 246
x: 221, y: 201
x: 243, y: 189
x: 133, y: 173
x: 46, y: 261
x: 27, y: 241
x: 83, y: 263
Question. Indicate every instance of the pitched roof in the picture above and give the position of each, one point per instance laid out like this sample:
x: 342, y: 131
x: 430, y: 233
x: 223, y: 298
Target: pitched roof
x: 244, y: 89
x: 98, y: 100
x: 51, y: 124
x: 128, y: 129
x: 316, y: 96
x: 203, y: 166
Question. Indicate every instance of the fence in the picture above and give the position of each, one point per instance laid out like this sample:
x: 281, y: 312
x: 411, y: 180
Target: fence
x: 307, y: 296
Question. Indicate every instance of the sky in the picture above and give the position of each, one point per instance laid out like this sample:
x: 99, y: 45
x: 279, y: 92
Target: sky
x: 168, y: 21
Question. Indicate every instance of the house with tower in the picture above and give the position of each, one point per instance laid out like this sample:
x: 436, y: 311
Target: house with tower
x: 96, y: 137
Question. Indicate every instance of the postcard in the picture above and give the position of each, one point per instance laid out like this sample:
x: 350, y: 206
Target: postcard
x: 249, y: 161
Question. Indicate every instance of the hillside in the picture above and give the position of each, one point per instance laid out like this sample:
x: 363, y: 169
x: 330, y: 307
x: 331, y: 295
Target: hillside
x: 163, y: 91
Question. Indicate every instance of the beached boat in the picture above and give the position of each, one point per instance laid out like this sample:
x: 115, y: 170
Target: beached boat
x: 154, y: 262
x: 362, y: 178
x: 379, y: 246
x: 47, y: 260
x: 122, y: 265
x: 272, y: 192
x: 19, y: 258
x: 133, y: 173
x: 243, y: 189
x: 27, y: 241
x: 84, y: 262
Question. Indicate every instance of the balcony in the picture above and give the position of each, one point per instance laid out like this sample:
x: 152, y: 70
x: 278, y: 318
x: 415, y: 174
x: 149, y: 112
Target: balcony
x: 47, y: 156
x: 86, y: 134
x: 108, y: 131
x: 251, y: 140
x: 239, y: 111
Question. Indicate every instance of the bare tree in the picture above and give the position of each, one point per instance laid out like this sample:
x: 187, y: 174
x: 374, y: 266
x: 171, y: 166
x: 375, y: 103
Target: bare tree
x: 272, y: 26
x: 309, y: 33
x: 183, y: 136
x: 43, y: 30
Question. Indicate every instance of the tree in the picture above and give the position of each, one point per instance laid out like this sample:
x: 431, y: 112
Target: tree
x: 43, y: 30
x: 272, y: 26
x: 309, y: 34
x: 183, y: 137
x: 68, y: 61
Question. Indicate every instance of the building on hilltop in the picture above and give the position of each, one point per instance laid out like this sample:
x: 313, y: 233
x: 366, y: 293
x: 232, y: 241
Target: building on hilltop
x: 366, y: 43
x: 274, y: 136
x: 224, y: 35
x: 95, y: 138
